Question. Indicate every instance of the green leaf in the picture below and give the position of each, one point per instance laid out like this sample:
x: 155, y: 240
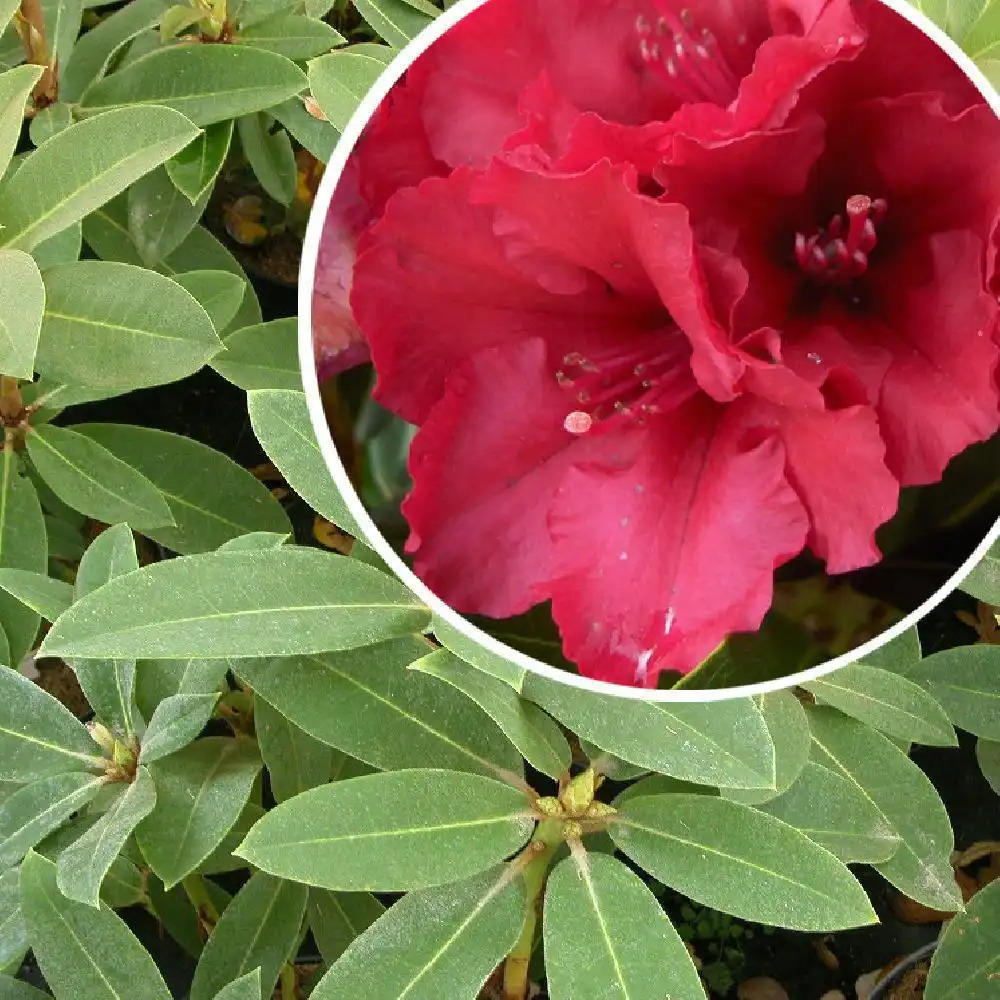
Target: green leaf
x: 207, y: 83
x: 195, y: 168
x: 222, y: 858
x: 84, y: 166
x: 91, y: 480
x: 263, y: 356
x: 259, y: 928
x: 789, y: 728
x: 983, y: 582
x: 391, y: 832
x: 176, y: 722
x: 160, y: 217
x: 200, y: 792
x: 966, y: 682
x: 731, y: 857
x: 8, y: 7
x: 83, y: 865
x: 606, y: 935
x: 295, y: 761
x: 245, y: 988
x: 211, y: 498
x: 480, y: 657
x: 157, y: 680
x: 45, y: 595
x: 319, y: 137
x: 96, y: 47
x: 274, y: 603
x: 39, y: 808
x: 111, y: 325
x: 831, y: 810
x: 539, y: 740
x: 13, y: 989
x: 988, y: 756
x: 901, y: 792
x: 177, y: 915
x: 291, y: 35
x: 219, y: 293
x: 280, y: 419
x: 723, y: 743
x: 966, y: 964
x: 23, y: 546
x: 63, y: 248
x: 899, y: 654
x: 21, y: 311
x: 337, y: 918
x: 38, y: 736
x: 256, y: 541
x: 83, y: 952
x: 65, y: 540
x: 270, y: 155
x: 13, y: 934
x: 339, y: 81
x: 366, y: 704
x: 62, y: 25
x: 15, y: 89
x: 886, y: 701
x: 432, y: 943
x: 395, y: 20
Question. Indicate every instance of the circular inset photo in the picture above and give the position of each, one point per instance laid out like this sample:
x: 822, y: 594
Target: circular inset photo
x: 658, y: 340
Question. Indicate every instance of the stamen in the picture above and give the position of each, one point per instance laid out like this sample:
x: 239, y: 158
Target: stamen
x: 839, y: 253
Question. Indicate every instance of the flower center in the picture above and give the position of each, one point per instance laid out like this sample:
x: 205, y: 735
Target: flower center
x: 625, y: 385
x: 838, y: 254
x: 688, y: 57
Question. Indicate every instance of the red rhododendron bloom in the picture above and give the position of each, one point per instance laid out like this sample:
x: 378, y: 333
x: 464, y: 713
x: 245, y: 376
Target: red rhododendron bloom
x: 666, y: 317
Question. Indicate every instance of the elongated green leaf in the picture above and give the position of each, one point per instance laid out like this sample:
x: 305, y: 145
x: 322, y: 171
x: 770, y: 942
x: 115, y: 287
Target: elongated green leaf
x: 110, y: 325
x: 13, y: 933
x: 391, y: 832
x: 45, y: 595
x: 38, y: 809
x: 220, y: 293
x: 85, y: 166
x: 280, y: 419
x: 272, y: 603
x: 337, y: 918
x: 340, y: 80
x: 91, y: 480
x: 270, y: 155
x: 13, y: 989
x: 259, y: 929
x: 720, y: 743
x: 62, y: 26
x: 887, y: 701
x: 725, y: 854
x: 15, y: 89
x: 83, y: 952
x: 21, y: 311
x: 295, y: 761
x: 988, y: 756
x: 200, y: 792
x: 175, y: 723
x: 38, y: 736
x: 7, y: 8
x: 606, y: 935
x: 539, y: 740
x: 887, y: 778
x: 365, y: 703
x: 207, y: 83
x: 984, y: 580
x: 831, y: 810
x: 178, y: 916
x: 898, y: 655
x: 395, y: 20
x: 245, y: 988
x: 966, y: 682
x: 432, y: 943
x: 789, y: 728
x: 481, y: 658
x: 83, y: 865
x: 316, y: 135
x: 94, y: 50
x: 211, y: 498
x: 966, y: 965
x: 160, y: 216
x: 157, y: 680
x: 222, y: 858
x: 23, y: 546
x: 263, y: 356
x: 291, y: 35
x: 194, y: 169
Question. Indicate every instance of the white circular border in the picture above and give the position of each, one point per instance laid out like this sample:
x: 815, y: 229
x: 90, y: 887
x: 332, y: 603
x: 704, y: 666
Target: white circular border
x: 310, y: 250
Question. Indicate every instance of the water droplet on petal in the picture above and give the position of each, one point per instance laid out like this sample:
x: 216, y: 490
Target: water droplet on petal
x: 578, y: 422
x: 814, y: 358
x: 623, y: 556
x: 668, y: 621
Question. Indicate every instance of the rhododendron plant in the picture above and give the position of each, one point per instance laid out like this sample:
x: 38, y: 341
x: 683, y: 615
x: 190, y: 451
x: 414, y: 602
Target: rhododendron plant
x: 672, y: 294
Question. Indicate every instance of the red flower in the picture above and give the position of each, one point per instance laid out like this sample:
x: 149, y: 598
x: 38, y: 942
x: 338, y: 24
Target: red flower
x: 651, y: 361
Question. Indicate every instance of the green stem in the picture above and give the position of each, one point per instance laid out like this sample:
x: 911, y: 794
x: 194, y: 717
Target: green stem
x: 287, y: 981
x: 548, y: 837
x: 194, y: 886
